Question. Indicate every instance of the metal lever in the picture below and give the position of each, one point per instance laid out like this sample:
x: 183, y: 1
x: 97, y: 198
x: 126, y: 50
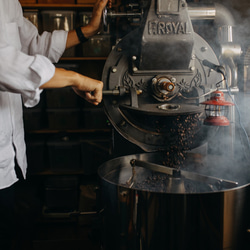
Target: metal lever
x: 109, y: 14
x: 155, y: 167
x: 133, y: 98
x: 119, y: 91
x: 218, y: 182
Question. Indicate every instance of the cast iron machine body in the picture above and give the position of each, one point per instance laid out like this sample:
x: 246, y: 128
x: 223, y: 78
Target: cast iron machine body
x: 156, y: 74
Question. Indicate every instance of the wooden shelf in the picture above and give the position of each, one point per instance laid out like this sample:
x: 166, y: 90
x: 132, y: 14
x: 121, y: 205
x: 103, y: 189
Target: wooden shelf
x: 67, y: 6
x: 83, y: 58
x: 39, y: 5
x: 58, y: 172
x: 84, y: 130
x: 89, y: 133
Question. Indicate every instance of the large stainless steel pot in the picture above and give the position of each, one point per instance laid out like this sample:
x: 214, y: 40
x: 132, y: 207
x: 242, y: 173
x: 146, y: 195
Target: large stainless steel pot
x: 190, y: 215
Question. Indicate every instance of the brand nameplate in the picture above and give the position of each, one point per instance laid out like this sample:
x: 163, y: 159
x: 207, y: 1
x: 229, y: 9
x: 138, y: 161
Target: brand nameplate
x: 166, y: 28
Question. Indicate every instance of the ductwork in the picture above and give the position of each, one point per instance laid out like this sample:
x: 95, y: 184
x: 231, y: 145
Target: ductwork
x: 217, y: 12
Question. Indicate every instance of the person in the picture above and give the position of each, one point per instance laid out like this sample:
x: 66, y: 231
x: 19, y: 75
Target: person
x: 26, y: 68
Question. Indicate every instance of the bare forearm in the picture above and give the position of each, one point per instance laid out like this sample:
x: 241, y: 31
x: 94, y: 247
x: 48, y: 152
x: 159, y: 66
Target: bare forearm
x: 88, y: 88
x: 62, y: 78
x: 73, y: 40
x: 92, y: 28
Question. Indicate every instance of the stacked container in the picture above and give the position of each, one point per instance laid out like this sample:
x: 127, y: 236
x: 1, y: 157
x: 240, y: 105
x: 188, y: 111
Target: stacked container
x: 98, y: 45
x: 59, y: 20
x: 62, y: 105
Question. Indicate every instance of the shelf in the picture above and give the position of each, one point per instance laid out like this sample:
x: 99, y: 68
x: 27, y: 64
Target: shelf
x: 87, y: 136
x: 53, y: 6
x: 83, y: 59
x: 85, y: 130
x: 40, y: 5
x: 61, y: 172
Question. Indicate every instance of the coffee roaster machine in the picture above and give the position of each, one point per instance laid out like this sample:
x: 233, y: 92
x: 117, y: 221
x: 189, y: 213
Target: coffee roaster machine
x: 181, y: 193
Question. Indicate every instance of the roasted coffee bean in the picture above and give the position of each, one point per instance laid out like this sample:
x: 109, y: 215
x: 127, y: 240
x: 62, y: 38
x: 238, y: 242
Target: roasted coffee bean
x: 183, y: 129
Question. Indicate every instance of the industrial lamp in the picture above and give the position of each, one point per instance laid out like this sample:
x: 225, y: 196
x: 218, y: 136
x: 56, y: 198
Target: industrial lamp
x: 216, y: 109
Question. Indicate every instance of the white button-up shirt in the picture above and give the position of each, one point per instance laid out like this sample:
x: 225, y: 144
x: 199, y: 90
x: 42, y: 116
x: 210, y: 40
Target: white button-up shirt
x: 25, y: 64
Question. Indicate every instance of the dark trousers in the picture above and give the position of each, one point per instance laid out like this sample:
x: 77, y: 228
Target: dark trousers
x: 8, y: 228
x: 15, y: 219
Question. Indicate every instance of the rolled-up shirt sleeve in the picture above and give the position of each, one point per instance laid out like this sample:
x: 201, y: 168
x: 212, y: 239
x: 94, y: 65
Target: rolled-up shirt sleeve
x: 20, y: 73
x: 27, y: 57
x: 51, y: 45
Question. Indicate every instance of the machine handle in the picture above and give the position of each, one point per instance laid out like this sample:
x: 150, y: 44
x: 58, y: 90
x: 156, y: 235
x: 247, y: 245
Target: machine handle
x: 107, y: 14
x: 218, y: 182
x: 119, y: 91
